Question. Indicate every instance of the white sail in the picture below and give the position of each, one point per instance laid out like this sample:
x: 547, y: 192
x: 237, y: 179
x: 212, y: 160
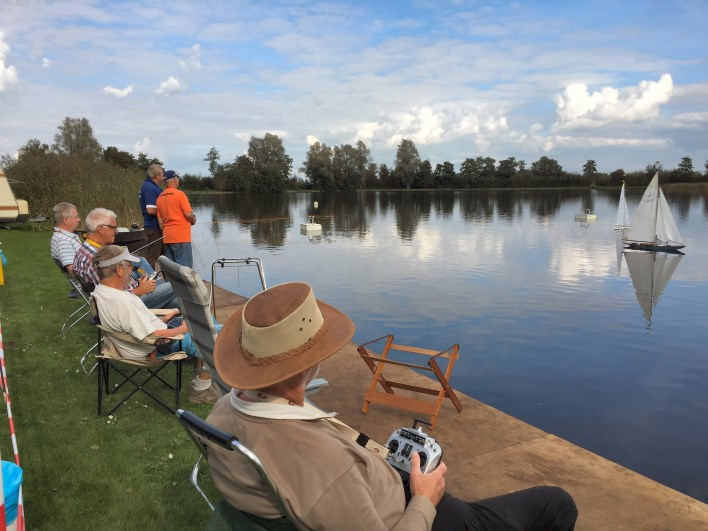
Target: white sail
x: 650, y: 273
x: 622, y: 221
x: 666, y: 230
x: 652, y: 223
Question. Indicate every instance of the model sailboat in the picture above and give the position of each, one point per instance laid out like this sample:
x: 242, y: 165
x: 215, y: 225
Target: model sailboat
x: 622, y: 221
x: 653, y: 227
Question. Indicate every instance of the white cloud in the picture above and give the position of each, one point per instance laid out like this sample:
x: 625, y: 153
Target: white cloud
x: 193, y: 59
x: 170, y: 86
x: 8, y: 74
x: 46, y: 63
x: 311, y: 140
x: 577, y: 107
x: 118, y: 93
x: 142, y: 146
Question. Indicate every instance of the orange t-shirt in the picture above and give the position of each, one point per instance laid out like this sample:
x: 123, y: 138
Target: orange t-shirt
x: 172, y: 205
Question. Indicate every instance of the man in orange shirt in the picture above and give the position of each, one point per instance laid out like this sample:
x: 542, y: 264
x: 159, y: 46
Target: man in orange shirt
x: 174, y: 213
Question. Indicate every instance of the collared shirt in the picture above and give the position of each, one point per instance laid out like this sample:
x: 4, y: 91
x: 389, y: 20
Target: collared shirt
x: 172, y: 205
x: 149, y: 192
x: 64, y: 246
x: 83, y: 264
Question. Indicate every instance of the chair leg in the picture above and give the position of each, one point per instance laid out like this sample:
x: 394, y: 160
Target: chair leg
x: 99, y: 379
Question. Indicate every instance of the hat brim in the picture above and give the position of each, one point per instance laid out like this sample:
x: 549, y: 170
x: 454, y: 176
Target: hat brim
x: 235, y: 370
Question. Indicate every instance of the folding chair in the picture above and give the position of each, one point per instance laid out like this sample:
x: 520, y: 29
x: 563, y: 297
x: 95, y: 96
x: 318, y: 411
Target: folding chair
x: 195, y: 300
x: 76, y: 286
x: 377, y: 362
x: 226, y: 516
x: 137, y: 373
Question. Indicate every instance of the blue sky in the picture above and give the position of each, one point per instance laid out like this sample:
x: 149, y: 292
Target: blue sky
x: 622, y: 83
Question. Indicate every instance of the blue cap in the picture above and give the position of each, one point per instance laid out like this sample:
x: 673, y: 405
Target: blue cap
x: 171, y: 174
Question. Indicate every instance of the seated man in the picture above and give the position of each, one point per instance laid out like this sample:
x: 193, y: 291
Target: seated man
x: 65, y: 243
x: 268, y: 351
x: 122, y: 311
x: 101, y: 228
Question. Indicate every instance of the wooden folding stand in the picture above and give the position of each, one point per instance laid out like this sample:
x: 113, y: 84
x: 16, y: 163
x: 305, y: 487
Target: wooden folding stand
x: 387, y: 397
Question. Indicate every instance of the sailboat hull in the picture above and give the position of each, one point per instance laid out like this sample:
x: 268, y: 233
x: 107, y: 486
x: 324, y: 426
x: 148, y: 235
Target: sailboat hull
x: 641, y: 246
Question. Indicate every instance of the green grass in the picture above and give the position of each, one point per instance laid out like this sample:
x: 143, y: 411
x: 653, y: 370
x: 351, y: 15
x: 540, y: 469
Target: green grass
x: 82, y: 471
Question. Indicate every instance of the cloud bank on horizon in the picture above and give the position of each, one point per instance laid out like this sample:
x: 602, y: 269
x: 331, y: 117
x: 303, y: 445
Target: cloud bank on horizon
x: 624, y: 85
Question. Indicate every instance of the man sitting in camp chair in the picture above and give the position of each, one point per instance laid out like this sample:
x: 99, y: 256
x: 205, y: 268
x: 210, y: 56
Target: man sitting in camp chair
x: 124, y: 312
x: 268, y: 351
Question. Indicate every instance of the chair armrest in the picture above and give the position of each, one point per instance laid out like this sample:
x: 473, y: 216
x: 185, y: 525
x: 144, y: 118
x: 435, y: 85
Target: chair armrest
x: 148, y: 340
x: 163, y: 311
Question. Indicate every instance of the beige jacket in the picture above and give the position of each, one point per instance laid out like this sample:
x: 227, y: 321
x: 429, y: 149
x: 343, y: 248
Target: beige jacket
x: 326, y: 480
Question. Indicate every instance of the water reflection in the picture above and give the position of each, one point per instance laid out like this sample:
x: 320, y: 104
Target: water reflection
x: 650, y: 273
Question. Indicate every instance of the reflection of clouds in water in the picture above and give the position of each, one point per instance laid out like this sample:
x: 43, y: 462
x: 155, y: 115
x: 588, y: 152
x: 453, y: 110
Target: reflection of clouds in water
x: 572, y: 262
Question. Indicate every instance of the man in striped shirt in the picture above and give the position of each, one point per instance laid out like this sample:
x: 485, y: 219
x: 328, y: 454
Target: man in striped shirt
x: 65, y: 243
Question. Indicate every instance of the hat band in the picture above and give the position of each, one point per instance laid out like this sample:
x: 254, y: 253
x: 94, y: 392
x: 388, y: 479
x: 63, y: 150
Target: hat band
x: 277, y: 358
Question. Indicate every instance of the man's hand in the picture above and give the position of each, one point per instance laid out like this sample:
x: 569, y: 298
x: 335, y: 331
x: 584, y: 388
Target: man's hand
x: 144, y: 286
x: 430, y: 485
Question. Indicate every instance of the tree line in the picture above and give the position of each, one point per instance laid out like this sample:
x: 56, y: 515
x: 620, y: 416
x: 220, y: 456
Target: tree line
x: 77, y: 161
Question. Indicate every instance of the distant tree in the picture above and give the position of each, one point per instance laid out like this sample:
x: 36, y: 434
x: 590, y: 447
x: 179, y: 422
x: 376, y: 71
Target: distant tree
x: 444, y: 175
x: 242, y: 175
x: 424, y: 176
x: 706, y: 167
x: 407, y: 162
x: 272, y: 165
x: 345, y: 167
x: 318, y: 167
x: 548, y: 169
x: 387, y: 178
x: 120, y: 158
x: 617, y: 176
x: 32, y: 148
x: 590, y: 170
x: 143, y: 162
x: 213, y: 159
x: 685, y: 167
x: 364, y: 163
x: 75, y: 137
x: 470, y: 172
x: 506, y: 170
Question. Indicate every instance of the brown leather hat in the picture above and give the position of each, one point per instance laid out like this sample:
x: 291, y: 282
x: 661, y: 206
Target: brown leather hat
x: 279, y: 333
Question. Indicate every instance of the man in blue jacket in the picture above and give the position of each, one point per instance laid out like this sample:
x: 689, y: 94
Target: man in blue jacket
x: 149, y: 192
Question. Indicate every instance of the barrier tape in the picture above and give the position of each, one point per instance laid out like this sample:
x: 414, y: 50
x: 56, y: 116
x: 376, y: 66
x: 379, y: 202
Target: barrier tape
x: 6, y: 395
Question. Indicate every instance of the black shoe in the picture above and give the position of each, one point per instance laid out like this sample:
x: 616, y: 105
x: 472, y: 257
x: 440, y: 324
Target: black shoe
x: 73, y: 294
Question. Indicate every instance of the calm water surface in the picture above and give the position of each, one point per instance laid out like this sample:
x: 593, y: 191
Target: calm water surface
x: 549, y: 321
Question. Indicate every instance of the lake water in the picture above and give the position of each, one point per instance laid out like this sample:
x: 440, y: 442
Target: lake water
x: 549, y: 322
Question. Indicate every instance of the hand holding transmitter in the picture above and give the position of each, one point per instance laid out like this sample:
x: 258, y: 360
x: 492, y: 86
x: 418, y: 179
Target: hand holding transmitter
x: 404, y: 441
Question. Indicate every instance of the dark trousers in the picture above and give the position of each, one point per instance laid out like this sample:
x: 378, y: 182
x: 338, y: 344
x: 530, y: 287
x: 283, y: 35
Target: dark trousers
x: 535, y: 509
x: 154, y: 249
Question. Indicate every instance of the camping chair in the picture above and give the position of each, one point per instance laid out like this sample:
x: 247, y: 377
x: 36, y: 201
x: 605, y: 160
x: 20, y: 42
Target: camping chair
x: 195, y: 300
x: 226, y: 516
x: 76, y: 286
x: 138, y: 372
x: 387, y: 397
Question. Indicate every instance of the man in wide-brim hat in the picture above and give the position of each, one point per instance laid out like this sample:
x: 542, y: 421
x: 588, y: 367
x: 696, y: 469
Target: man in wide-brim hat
x: 268, y: 352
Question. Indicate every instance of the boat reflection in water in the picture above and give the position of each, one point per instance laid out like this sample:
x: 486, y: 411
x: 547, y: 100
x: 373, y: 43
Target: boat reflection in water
x: 650, y: 273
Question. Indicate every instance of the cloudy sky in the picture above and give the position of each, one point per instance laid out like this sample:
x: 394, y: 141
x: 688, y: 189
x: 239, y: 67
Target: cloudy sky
x: 623, y: 83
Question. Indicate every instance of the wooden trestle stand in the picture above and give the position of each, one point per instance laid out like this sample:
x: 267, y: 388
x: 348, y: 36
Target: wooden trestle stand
x: 387, y: 397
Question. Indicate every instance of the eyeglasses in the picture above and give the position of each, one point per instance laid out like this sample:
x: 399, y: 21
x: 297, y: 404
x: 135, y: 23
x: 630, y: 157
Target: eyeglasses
x: 114, y: 227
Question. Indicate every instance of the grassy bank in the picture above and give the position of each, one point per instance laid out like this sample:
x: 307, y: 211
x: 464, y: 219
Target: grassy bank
x: 82, y: 471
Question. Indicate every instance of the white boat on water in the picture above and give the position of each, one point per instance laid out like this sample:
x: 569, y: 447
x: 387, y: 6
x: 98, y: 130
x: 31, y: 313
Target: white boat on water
x: 653, y: 227
x: 586, y: 217
x: 622, y: 221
